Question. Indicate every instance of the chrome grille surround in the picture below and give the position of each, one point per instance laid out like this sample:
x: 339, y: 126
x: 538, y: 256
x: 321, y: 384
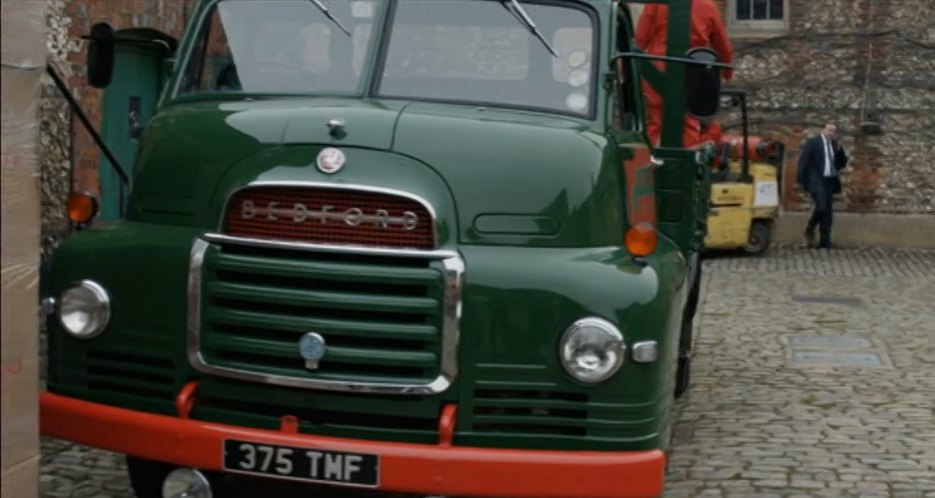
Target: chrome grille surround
x: 451, y: 317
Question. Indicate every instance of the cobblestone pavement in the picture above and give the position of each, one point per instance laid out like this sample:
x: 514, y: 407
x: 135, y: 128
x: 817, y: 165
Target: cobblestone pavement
x: 767, y: 417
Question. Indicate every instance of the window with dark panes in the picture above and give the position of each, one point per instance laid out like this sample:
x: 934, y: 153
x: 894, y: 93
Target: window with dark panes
x: 759, y: 10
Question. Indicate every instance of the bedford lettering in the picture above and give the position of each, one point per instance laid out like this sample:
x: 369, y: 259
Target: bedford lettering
x: 352, y: 217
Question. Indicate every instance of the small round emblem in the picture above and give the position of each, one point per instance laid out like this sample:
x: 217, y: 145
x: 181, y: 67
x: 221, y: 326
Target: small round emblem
x: 312, y: 347
x: 331, y: 160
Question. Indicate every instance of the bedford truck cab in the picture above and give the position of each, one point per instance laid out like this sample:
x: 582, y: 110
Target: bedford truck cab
x: 408, y: 245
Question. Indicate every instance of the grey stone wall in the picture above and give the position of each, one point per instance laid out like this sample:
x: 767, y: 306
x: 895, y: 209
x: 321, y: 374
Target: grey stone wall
x: 862, y: 63
x: 55, y: 133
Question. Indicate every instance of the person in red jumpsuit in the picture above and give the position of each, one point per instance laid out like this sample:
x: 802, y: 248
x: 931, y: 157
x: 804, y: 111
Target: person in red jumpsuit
x: 707, y: 30
x: 712, y: 131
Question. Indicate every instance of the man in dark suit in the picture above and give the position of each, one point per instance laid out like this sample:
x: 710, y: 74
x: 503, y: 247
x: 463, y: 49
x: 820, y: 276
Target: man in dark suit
x: 820, y: 163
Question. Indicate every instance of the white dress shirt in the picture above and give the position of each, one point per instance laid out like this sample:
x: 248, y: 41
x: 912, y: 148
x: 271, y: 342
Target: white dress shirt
x: 829, y: 156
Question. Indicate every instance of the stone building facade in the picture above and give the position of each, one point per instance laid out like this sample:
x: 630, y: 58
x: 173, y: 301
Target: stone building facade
x: 869, y: 65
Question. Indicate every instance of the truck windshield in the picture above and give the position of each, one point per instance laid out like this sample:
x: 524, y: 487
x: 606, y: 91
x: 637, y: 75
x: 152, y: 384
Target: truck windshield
x: 477, y: 51
x: 281, y: 47
x: 461, y: 51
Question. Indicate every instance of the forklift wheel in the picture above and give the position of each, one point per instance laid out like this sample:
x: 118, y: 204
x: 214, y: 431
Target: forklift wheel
x: 760, y: 237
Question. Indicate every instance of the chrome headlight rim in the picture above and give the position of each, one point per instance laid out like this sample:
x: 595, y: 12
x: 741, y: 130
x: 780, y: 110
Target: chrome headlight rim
x: 615, y: 343
x: 187, y: 482
x: 98, y: 310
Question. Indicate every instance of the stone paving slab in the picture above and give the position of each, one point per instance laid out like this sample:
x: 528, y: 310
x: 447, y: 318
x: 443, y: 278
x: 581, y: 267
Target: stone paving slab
x: 755, y: 424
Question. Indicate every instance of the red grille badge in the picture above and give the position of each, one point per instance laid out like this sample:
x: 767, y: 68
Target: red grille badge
x: 330, y: 216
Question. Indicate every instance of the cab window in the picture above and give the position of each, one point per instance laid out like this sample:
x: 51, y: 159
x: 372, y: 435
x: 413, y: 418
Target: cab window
x: 626, y: 84
x: 281, y: 47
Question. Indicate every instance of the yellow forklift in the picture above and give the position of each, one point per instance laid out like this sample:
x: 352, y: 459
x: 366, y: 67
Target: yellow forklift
x: 745, y: 187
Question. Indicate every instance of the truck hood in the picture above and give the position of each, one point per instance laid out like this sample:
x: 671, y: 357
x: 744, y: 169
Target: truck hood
x: 515, y: 177
x: 187, y: 148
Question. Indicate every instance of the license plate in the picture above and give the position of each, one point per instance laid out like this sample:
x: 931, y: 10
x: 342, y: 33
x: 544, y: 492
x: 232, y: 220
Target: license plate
x: 301, y: 464
x: 767, y: 194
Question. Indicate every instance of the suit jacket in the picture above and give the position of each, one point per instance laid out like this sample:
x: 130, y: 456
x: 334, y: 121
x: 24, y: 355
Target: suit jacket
x: 812, y: 165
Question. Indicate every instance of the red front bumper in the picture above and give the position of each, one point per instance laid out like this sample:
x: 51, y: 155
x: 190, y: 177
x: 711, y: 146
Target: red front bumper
x: 407, y: 468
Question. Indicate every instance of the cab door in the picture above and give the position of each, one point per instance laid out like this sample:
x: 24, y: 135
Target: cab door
x: 627, y: 128
x: 140, y: 61
x: 678, y: 175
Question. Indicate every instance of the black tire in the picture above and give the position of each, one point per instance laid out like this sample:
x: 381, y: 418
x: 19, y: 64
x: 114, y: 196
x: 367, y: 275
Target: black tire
x: 760, y: 238
x: 691, y: 305
x: 666, y: 442
x: 684, y: 368
x: 147, y: 476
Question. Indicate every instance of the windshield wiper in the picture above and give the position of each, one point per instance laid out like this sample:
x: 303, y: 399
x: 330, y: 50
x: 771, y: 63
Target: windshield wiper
x: 517, y: 10
x: 324, y: 10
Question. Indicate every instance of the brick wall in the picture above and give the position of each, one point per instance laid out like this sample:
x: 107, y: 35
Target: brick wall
x: 165, y: 15
x: 853, y: 62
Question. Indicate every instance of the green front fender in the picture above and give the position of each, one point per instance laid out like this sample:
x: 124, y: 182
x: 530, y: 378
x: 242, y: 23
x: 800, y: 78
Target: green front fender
x: 519, y: 301
x: 141, y: 353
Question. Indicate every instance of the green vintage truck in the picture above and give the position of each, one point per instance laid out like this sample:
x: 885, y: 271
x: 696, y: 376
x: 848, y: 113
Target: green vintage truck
x: 412, y: 246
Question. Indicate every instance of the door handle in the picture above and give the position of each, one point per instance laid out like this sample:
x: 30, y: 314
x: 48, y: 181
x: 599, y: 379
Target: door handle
x: 136, y: 129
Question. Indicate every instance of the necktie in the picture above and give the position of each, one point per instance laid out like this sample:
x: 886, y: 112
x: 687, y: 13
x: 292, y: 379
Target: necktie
x: 829, y: 154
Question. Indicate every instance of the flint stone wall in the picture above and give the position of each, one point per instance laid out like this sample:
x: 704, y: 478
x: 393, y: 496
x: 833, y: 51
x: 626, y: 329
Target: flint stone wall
x: 862, y: 64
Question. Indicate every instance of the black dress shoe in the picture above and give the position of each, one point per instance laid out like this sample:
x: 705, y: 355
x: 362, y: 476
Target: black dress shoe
x: 810, y: 240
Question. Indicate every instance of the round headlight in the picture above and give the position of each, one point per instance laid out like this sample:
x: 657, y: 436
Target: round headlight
x: 592, y: 350
x: 84, y: 310
x: 186, y: 483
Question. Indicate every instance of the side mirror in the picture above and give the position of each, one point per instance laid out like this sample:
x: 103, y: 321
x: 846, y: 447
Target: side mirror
x: 100, y: 55
x: 729, y: 101
x: 702, y: 84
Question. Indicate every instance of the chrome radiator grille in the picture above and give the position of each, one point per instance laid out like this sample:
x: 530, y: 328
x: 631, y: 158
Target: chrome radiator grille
x: 389, y: 318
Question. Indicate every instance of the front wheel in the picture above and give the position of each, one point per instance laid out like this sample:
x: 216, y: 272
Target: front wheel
x: 147, y: 476
x: 760, y: 237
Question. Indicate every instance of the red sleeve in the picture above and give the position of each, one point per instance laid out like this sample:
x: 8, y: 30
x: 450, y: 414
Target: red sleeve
x: 644, y: 27
x: 720, y: 42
